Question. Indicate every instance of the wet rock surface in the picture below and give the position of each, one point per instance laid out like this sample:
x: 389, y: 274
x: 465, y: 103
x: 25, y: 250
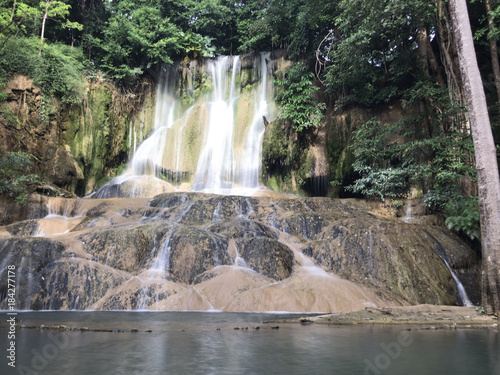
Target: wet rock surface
x: 193, y: 251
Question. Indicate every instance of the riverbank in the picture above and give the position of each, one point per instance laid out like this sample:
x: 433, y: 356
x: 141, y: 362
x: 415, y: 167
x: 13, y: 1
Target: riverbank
x: 435, y: 315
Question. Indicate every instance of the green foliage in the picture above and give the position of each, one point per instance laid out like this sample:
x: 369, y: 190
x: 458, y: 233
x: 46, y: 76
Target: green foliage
x: 389, y: 161
x: 58, y: 71
x: 295, y: 100
x: 140, y: 34
x: 254, y: 33
x: 374, y: 56
x: 19, y: 55
x: 378, y: 162
x: 484, y: 30
x: 397, y: 203
x: 422, y: 150
x: 217, y: 19
x: 14, y: 18
x: 462, y: 216
x: 55, y: 10
x: 9, y: 116
x: 15, y: 179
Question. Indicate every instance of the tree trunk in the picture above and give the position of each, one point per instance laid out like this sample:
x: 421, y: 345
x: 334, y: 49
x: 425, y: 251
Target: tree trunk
x: 43, y: 26
x: 485, y: 155
x: 451, y: 68
x: 493, y: 49
x: 13, y: 11
x: 422, y: 41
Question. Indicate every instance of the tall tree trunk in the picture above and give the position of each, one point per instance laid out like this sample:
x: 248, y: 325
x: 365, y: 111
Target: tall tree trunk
x: 43, y: 26
x: 13, y: 11
x: 451, y: 68
x: 485, y: 153
x: 422, y: 41
x: 493, y: 49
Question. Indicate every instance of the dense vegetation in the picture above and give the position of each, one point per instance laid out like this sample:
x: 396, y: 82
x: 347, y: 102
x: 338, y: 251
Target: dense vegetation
x: 364, y: 53
x: 15, y: 176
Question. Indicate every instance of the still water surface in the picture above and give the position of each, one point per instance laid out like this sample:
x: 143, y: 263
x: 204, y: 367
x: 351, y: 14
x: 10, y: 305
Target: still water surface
x: 207, y: 343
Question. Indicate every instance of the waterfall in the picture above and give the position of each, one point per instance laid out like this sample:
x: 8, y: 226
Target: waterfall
x: 162, y: 262
x: 239, y: 261
x: 207, y: 133
x: 215, y: 165
x: 250, y: 165
x: 408, y: 218
x: 461, y: 290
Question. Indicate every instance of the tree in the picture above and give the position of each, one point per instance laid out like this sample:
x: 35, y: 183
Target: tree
x: 141, y: 34
x: 493, y: 47
x: 375, y: 55
x: 295, y: 99
x: 485, y: 153
x: 12, y: 17
x: 55, y: 9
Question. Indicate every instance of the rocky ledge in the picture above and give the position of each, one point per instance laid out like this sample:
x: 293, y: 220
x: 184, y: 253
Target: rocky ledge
x: 193, y: 251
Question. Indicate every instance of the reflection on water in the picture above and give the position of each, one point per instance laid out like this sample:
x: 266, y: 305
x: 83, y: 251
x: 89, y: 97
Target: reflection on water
x: 207, y: 343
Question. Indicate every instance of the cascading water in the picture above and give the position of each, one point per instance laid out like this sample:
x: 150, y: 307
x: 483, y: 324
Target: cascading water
x: 461, y: 290
x: 408, y: 218
x: 207, y: 137
x: 215, y: 165
x: 250, y: 166
x: 464, y: 298
x: 147, y: 158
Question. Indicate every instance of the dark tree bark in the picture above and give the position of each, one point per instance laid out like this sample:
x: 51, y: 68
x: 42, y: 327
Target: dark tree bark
x: 485, y: 155
x: 493, y: 49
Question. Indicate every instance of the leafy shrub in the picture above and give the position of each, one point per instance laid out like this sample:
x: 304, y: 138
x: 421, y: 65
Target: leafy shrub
x: 19, y: 55
x: 295, y: 100
x: 379, y: 162
x: 462, y: 216
x: 389, y: 160
x: 58, y: 71
x: 15, y: 179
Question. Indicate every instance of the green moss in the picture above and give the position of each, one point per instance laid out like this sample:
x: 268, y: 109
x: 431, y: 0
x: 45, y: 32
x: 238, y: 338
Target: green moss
x: 273, y: 183
x: 97, y: 134
x: 340, y: 157
x: 284, y: 157
x: 246, y: 77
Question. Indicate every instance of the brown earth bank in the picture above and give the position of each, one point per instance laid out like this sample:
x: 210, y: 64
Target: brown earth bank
x: 194, y: 251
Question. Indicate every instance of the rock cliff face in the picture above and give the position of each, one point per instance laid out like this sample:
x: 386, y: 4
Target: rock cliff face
x: 79, y: 144
x: 193, y: 251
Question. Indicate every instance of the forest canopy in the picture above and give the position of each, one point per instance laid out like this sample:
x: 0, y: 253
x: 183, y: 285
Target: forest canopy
x: 369, y: 51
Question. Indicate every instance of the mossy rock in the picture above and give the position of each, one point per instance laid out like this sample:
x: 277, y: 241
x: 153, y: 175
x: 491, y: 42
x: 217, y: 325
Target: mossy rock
x: 267, y: 257
x: 194, y: 251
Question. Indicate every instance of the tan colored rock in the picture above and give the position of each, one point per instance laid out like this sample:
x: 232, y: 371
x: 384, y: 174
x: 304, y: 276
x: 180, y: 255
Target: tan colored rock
x: 20, y: 82
x: 194, y: 251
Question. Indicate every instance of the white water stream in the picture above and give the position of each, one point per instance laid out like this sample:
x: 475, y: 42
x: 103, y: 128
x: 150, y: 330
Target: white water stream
x: 213, y: 145
x: 461, y: 290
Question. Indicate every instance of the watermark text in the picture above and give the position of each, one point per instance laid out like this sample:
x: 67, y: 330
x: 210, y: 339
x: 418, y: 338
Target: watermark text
x: 11, y: 315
